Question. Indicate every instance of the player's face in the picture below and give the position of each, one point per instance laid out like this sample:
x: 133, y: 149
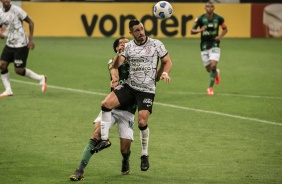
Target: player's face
x: 121, y: 44
x: 209, y: 8
x: 138, y: 33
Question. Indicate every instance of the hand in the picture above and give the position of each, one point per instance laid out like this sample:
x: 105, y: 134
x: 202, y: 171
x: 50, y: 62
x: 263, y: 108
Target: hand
x: 114, y: 83
x: 217, y: 38
x: 165, y: 77
x: 2, y: 36
x: 203, y: 28
x: 31, y: 44
x: 121, y: 48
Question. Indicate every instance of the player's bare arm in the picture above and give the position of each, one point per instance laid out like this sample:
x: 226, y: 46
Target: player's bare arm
x: 167, y: 67
x: 31, y: 44
x: 118, y: 59
x: 196, y: 31
x: 1, y: 32
x: 159, y: 72
x: 115, y: 77
x: 224, y: 31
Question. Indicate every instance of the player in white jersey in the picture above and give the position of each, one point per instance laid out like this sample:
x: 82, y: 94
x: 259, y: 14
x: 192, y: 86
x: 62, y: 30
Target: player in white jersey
x: 142, y: 54
x: 17, y: 45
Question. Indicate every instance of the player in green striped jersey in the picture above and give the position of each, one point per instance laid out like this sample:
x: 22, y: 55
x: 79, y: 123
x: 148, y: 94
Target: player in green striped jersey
x: 208, y: 25
x: 123, y: 116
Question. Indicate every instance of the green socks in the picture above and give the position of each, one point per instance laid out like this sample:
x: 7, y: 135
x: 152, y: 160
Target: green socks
x: 86, y: 155
x: 213, y: 74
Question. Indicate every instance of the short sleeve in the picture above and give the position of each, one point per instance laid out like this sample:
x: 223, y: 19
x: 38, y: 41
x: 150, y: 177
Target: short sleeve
x: 161, y: 50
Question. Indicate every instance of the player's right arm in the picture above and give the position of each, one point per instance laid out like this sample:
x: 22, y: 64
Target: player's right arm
x: 1, y: 32
x: 119, y: 58
x: 195, y: 29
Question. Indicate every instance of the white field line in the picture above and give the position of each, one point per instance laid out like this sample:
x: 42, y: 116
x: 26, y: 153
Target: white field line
x: 161, y: 104
x: 224, y: 94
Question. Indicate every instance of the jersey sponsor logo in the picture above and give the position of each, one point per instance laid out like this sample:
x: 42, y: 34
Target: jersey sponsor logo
x: 206, y: 33
x: 142, y: 68
x: 18, y: 62
x: 210, y: 25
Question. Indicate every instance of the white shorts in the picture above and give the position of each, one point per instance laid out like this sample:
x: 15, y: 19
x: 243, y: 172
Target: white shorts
x: 124, y: 120
x: 212, y: 54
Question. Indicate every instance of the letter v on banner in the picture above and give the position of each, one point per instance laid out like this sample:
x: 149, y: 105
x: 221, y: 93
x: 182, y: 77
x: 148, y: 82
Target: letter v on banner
x: 89, y: 28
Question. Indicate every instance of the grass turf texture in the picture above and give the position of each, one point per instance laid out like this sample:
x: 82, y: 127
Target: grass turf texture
x: 232, y: 137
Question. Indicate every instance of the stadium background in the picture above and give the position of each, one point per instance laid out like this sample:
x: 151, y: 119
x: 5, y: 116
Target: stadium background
x: 110, y: 19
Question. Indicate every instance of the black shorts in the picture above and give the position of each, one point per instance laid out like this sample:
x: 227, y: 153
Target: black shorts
x: 126, y: 96
x: 18, y: 56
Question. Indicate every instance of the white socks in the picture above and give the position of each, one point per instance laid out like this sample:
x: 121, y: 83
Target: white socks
x: 29, y: 73
x: 144, y: 138
x: 6, y: 81
x: 105, y: 124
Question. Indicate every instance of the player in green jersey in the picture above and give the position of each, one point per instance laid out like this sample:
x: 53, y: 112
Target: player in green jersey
x: 208, y: 25
x: 123, y: 116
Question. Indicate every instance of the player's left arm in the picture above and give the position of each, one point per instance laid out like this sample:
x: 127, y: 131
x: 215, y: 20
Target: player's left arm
x: 223, y: 32
x: 166, y: 64
x: 159, y: 72
x: 31, y: 44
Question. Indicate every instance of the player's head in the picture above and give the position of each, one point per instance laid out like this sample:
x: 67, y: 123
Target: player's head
x: 209, y: 7
x: 118, y: 41
x: 137, y: 30
x: 6, y: 3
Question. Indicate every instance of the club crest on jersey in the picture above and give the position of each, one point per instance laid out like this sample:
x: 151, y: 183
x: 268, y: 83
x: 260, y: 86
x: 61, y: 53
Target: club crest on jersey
x: 147, y: 50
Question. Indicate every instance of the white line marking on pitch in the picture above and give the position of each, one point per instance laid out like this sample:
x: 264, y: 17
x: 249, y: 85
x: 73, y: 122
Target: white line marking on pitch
x: 224, y: 94
x: 158, y: 103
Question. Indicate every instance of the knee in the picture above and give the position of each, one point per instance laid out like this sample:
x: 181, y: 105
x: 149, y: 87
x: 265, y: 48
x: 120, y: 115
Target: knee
x: 20, y: 71
x: 3, y: 66
x: 142, y: 123
x: 125, y: 151
x: 105, y: 106
x: 143, y: 118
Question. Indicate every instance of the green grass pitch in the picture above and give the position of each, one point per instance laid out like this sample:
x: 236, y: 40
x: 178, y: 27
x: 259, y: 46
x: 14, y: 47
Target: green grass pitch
x: 234, y: 136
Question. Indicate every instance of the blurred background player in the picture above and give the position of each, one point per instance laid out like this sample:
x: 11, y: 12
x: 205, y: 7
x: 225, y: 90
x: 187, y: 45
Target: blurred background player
x: 210, y: 39
x: 123, y: 116
x: 17, y: 46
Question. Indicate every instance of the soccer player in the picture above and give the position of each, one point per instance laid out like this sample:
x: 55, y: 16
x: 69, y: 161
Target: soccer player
x: 17, y: 46
x: 123, y: 116
x: 142, y: 54
x: 208, y: 24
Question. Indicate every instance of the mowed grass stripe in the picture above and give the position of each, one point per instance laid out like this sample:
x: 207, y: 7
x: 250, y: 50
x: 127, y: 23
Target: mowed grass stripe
x: 161, y: 104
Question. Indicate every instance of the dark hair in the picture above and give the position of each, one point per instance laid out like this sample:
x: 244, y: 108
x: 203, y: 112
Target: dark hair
x: 133, y: 22
x: 209, y: 2
x: 116, y: 43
